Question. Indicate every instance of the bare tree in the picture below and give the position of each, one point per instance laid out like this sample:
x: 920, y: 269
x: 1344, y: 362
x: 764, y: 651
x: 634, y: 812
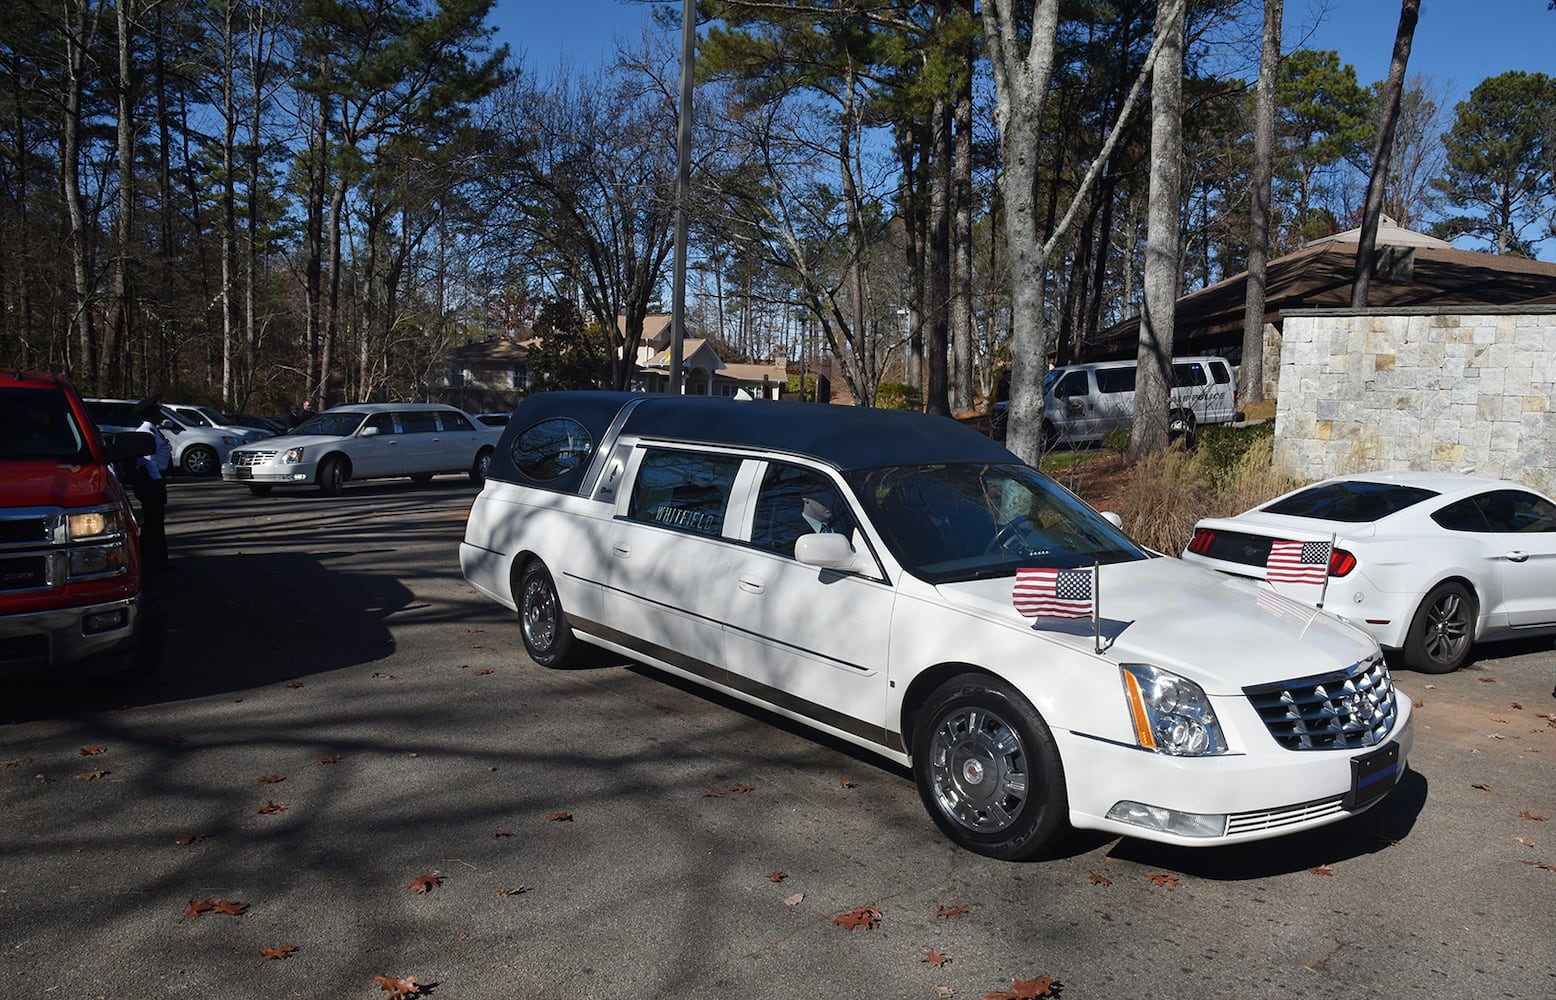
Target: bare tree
x: 1366, y: 249
x: 1153, y: 379
x: 1251, y: 388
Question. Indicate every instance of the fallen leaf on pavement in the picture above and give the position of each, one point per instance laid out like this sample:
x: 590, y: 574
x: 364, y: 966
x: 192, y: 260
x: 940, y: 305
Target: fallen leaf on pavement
x: 1483, y: 787
x: 425, y: 883
x: 794, y: 900
x: 1526, y: 814
x: 91, y: 775
x: 1525, y: 841
x: 186, y: 839
x: 1160, y: 879
x: 776, y: 876
x: 18, y: 762
x: 743, y: 789
x: 1026, y: 989
x: 714, y: 793
x: 514, y: 891
x: 865, y: 916
x: 849, y: 783
x: 935, y: 958
x: 198, y: 907
x: 560, y: 817
x: 1097, y: 878
x: 1321, y: 870
x: 502, y: 833
x: 483, y: 671
x: 279, y: 951
x: 91, y: 751
x: 271, y: 807
x: 397, y: 988
x: 327, y: 760
x: 270, y: 779
x: 955, y: 911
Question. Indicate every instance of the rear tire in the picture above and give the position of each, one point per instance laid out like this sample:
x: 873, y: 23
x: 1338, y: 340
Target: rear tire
x: 1443, y: 630
x: 332, y: 476
x: 481, y: 467
x: 547, y: 637
x: 988, y: 769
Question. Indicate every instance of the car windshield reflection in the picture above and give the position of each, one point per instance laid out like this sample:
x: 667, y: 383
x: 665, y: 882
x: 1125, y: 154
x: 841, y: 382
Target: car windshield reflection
x: 947, y: 523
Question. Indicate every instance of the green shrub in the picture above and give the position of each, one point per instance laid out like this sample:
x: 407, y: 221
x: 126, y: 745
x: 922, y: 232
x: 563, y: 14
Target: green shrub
x: 898, y: 396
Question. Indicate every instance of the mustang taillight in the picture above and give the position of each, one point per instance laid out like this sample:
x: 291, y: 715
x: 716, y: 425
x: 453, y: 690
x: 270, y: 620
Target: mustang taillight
x: 1203, y: 539
x: 1341, y: 562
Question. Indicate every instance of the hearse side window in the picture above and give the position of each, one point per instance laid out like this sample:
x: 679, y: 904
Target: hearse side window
x: 1116, y: 379
x: 418, y: 422
x: 549, y: 450
x: 383, y: 423
x: 452, y: 421
x: 796, y: 501
x: 684, y: 490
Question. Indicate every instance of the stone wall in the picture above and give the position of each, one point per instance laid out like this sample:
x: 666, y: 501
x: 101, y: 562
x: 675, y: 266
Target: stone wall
x: 1420, y: 389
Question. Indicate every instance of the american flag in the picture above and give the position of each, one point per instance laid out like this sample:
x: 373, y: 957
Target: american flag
x: 1297, y: 562
x: 1053, y: 593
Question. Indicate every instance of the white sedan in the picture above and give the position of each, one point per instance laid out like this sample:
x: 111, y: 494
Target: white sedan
x: 906, y: 584
x: 1429, y: 563
x: 367, y: 441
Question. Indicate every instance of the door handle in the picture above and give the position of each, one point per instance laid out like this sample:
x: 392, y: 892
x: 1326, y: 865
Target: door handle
x: 1516, y: 556
x: 620, y: 550
x: 752, y: 584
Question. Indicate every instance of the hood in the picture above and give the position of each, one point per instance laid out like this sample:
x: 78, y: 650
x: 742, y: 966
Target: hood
x: 286, y: 442
x: 1220, y: 631
x: 53, y: 484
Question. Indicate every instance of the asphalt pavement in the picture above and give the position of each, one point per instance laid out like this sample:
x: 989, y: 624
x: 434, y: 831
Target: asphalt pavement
x: 340, y: 721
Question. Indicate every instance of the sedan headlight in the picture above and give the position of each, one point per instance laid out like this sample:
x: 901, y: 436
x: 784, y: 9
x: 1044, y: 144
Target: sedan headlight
x: 1171, y: 714
x: 290, y: 456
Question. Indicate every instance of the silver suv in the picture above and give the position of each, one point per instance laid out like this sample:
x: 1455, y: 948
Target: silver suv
x: 197, y: 450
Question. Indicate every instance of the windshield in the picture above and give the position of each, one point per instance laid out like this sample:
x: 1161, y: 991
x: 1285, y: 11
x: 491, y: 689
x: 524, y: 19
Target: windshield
x: 330, y: 425
x: 946, y: 523
x: 38, y: 424
x: 192, y: 416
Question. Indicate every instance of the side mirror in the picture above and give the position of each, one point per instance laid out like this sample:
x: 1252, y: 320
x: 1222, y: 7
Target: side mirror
x: 1113, y: 519
x: 172, y: 426
x: 368, y: 432
x: 828, y: 551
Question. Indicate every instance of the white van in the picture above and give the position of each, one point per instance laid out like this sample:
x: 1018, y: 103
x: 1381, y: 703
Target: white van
x: 1082, y: 403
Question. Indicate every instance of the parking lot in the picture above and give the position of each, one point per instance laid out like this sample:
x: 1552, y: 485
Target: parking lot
x: 340, y: 721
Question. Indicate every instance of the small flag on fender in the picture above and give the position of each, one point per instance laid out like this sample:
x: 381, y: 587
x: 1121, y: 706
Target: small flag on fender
x: 1298, y: 562
x: 1054, y: 593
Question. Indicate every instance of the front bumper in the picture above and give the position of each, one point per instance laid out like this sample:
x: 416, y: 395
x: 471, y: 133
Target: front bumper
x: 86, y: 641
x: 1257, y: 795
x: 301, y: 474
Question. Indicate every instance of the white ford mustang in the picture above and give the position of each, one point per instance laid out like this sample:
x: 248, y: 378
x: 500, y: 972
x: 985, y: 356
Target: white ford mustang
x: 1429, y: 563
x: 908, y: 585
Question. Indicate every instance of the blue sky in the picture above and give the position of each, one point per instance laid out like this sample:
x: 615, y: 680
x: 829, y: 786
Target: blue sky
x: 1458, y: 43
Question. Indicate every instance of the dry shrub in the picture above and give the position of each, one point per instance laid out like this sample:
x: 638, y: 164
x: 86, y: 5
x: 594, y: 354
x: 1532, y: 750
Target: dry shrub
x: 1170, y: 491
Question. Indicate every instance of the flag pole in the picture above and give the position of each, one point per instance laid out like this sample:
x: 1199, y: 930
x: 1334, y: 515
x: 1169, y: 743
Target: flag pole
x: 1324, y: 593
x: 1096, y: 605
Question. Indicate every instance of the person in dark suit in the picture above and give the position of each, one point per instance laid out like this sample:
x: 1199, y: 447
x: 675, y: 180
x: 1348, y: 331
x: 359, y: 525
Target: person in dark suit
x: 149, y: 484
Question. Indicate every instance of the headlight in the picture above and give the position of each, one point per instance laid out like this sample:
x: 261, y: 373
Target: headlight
x: 98, y: 561
x: 230, y: 441
x: 1171, y: 714
x: 81, y: 525
x: 290, y: 456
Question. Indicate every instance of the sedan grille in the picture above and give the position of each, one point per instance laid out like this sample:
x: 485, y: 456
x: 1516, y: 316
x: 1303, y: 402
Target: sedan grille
x: 1339, y: 711
x: 251, y: 457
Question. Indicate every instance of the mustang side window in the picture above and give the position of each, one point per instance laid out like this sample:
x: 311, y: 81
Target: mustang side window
x: 683, y: 490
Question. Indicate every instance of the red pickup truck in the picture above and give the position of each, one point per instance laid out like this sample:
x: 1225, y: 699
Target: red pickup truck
x: 71, y: 598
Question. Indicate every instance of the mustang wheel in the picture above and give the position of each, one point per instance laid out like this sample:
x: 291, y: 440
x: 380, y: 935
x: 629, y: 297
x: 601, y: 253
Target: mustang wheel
x: 988, y: 770
x: 1442, y: 631
x: 547, y: 638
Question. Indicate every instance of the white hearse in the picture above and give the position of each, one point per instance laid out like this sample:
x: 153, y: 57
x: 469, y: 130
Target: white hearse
x: 906, y: 584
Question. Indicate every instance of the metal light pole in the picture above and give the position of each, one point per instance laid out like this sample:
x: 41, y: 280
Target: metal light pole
x: 683, y: 185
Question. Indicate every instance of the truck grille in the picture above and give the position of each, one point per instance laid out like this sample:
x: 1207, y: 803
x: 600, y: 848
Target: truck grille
x: 25, y: 530
x: 29, y: 572
x: 1339, y: 711
x: 251, y: 458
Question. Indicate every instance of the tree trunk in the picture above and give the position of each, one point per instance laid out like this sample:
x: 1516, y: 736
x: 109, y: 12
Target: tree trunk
x: 80, y: 25
x: 1153, y: 379
x: 1366, y: 248
x: 937, y: 306
x: 1252, y: 380
x: 116, y: 371
x: 963, y: 393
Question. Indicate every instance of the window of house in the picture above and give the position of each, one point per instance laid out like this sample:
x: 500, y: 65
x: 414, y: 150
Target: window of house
x: 683, y: 490
x: 518, y: 376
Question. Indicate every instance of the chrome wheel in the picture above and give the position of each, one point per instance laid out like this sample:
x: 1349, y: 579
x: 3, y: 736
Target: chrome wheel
x: 978, y: 770
x: 542, y: 623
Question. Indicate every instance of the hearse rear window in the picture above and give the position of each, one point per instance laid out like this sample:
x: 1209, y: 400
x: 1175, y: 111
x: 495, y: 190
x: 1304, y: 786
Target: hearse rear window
x: 685, y: 490
x: 549, y: 450
x: 1352, y: 502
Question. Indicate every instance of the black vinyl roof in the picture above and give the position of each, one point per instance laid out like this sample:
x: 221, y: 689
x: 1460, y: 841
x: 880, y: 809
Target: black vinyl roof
x: 845, y: 437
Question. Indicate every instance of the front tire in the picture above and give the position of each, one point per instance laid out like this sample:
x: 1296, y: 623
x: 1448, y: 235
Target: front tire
x: 1443, y: 630
x: 547, y: 637
x: 332, y: 476
x: 481, y: 467
x: 260, y: 489
x: 199, y: 460
x: 988, y: 769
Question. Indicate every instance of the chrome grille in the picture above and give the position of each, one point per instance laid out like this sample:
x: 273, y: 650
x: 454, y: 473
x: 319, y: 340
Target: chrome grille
x: 251, y: 457
x: 1276, y: 819
x: 1339, y: 711
x: 27, y: 530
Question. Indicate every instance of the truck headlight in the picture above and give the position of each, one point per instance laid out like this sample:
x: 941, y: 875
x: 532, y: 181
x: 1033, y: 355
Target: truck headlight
x: 1171, y: 714
x: 99, y: 560
x: 86, y: 524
